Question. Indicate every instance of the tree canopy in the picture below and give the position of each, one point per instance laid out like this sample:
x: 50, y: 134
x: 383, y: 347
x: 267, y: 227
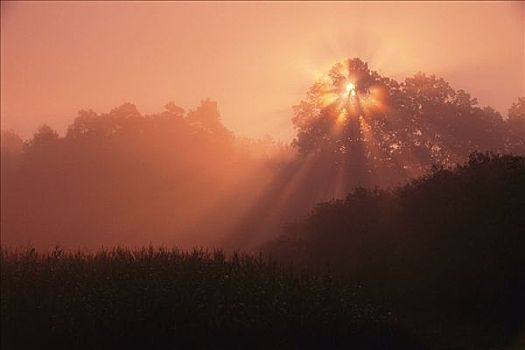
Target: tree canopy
x: 182, y: 173
x: 372, y: 122
x: 116, y: 173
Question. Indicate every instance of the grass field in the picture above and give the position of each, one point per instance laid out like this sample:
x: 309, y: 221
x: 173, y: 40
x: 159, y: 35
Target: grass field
x: 156, y: 297
x: 198, y: 298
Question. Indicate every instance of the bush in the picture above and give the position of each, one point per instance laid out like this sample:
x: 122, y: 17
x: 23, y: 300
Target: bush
x: 449, y: 245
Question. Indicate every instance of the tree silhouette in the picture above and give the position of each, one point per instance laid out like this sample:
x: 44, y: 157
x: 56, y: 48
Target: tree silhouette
x: 118, y: 173
x: 44, y: 136
x: 516, y: 117
x: 11, y: 143
x: 122, y: 176
x: 206, y: 116
x: 448, y: 242
x: 373, y: 124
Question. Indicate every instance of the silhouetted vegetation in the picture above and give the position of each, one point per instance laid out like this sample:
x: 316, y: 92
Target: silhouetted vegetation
x: 161, y: 297
x: 187, y: 180
x: 437, y: 263
x: 404, y: 250
x: 379, y: 131
x: 112, y: 177
x: 446, y: 248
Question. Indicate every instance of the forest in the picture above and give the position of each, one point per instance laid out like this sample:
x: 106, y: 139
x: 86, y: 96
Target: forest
x: 394, y: 219
x: 187, y: 180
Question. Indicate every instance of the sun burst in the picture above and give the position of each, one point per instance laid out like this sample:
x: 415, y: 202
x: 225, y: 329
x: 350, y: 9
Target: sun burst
x: 350, y: 100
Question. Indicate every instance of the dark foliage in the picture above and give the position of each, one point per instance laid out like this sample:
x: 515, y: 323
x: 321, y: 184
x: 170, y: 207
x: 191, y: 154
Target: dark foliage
x: 159, y: 297
x: 447, y: 246
x: 386, y: 131
x: 434, y: 264
x: 440, y: 258
x: 187, y: 180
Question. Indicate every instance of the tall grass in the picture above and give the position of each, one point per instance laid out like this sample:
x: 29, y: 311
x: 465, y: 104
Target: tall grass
x: 201, y: 297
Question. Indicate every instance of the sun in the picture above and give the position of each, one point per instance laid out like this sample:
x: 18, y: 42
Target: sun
x: 350, y: 89
x: 348, y: 93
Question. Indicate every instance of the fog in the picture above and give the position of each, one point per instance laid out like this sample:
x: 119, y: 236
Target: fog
x: 58, y: 58
x: 262, y: 174
x: 255, y: 135
x: 181, y: 178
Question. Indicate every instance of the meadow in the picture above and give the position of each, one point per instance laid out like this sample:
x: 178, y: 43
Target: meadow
x: 198, y: 298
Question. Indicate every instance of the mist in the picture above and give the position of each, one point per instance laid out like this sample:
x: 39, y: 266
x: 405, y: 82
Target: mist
x: 181, y: 178
x: 60, y: 58
x: 262, y: 175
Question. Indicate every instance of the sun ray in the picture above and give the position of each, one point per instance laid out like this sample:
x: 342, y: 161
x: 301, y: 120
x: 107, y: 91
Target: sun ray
x: 277, y: 199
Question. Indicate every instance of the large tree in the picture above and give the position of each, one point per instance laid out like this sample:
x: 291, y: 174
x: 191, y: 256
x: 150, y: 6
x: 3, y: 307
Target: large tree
x: 516, y: 116
x: 372, y: 124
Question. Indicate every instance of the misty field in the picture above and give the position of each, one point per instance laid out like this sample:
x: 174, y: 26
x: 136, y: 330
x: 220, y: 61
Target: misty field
x: 434, y: 264
x: 270, y: 175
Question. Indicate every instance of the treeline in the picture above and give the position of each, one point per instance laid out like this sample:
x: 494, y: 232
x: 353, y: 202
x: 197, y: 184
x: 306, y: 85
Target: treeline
x: 185, y: 179
x: 387, y: 131
x: 442, y: 251
x: 447, y: 248
x: 114, y: 176
x: 435, y: 264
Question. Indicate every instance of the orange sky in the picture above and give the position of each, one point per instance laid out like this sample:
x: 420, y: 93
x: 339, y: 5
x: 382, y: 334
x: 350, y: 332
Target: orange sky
x: 255, y: 59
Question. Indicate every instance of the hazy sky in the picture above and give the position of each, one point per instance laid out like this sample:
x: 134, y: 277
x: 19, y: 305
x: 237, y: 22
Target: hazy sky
x: 255, y: 59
